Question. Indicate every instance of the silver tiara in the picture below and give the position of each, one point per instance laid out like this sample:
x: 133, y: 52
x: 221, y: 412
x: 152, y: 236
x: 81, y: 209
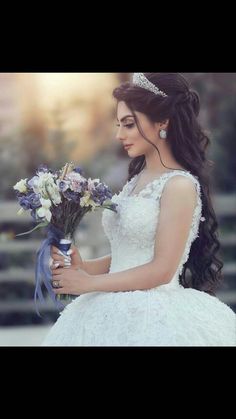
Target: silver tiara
x: 140, y: 80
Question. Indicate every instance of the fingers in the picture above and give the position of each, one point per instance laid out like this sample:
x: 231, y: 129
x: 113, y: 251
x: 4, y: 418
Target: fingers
x: 59, y: 252
x: 57, y: 283
x: 56, y: 272
x: 59, y: 259
x: 56, y: 251
x: 60, y: 262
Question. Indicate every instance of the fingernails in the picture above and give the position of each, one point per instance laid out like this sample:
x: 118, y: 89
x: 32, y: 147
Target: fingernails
x: 56, y: 265
x: 60, y: 253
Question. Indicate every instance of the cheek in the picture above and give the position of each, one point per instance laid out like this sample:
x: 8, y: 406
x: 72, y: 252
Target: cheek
x: 141, y: 144
x: 136, y: 138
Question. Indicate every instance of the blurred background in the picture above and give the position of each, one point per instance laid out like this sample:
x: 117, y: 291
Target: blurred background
x: 53, y: 118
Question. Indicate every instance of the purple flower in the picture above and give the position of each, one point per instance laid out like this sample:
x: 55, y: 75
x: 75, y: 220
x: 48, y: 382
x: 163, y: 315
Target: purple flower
x: 78, y: 170
x: 63, y: 185
x: 34, y: 215
x: 24, y: 202
x: 19, y: 194
x: 34, y: 200
x: 43, y: 169
x: 72, y: 196
x: 101, y: 193
x: 30, y: 201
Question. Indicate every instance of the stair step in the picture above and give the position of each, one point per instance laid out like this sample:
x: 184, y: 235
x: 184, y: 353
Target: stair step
x: 12, y: 246
x: 228, y: 239
x: 25, y: 306
x: 228, y: 297
x: 15, y: 274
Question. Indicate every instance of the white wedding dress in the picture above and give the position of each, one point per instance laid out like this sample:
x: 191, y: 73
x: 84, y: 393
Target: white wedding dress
x: 168, y: 315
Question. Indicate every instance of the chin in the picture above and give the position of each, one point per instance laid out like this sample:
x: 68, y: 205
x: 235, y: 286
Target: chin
x: 134, y: 153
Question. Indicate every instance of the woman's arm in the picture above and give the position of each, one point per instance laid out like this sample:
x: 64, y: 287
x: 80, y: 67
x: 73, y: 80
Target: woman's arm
x: 77, y: 281
x: 142, y: 277
x: 97, y: 266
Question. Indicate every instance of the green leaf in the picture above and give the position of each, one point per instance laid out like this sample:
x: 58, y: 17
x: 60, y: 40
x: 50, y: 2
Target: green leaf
x: 44, y: 224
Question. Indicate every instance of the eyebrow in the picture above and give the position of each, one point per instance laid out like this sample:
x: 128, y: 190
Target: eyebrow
x: 125, y: 117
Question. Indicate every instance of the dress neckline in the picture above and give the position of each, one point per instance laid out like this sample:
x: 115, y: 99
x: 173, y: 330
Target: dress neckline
x: 136, y: 177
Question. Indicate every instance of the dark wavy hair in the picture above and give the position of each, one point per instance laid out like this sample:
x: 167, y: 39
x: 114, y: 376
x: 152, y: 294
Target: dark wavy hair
x: 188, y: 144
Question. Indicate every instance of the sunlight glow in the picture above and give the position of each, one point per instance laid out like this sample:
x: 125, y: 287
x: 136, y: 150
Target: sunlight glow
x: 64, y: 87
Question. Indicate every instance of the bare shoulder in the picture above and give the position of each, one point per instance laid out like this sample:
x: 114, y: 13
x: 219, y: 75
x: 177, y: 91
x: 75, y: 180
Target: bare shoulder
x: 181, y: 183
x: 180, y: 188
x: 181, y: 180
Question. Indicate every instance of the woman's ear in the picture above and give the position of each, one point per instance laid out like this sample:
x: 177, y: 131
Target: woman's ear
x: 164, y: 124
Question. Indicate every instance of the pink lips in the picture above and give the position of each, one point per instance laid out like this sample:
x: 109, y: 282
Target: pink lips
x: 128, y: 145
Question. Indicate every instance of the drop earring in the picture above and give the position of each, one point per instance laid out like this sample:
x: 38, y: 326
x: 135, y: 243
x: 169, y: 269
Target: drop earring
x: 163, y: 134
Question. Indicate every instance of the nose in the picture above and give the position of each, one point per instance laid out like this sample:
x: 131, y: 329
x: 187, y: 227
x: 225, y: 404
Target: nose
x: 119, y: 134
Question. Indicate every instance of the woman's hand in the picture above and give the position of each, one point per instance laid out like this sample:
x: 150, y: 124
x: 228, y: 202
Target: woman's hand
x: 72, y: 259
x: 71, y: 281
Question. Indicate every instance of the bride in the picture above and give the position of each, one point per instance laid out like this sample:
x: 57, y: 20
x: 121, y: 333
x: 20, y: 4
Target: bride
x: 157, y: 287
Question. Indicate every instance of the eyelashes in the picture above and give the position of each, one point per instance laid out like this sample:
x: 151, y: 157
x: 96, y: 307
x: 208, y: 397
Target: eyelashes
x: 129, y: 126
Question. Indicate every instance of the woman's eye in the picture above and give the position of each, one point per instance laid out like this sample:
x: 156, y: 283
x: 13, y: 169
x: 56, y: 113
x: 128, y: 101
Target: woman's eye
x: 129, y: 126
x: 126, y: 126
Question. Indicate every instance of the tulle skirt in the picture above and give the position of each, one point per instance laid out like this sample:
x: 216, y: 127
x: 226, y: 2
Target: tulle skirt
x: 157, y: 317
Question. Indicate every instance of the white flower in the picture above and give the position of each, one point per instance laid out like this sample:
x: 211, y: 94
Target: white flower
x: 91, y: 184
x: 21, y: 186
x: 86, y: 201
x: 46, y: 203
x: 45, y: 185
x: 54, y: 193
x: 44, y: 211
x: 75, y: 181
x: 75, y: 176
x: 33, y: 183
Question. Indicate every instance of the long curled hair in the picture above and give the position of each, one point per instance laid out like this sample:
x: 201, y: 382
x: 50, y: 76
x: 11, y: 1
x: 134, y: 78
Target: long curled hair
x: 188, y: 144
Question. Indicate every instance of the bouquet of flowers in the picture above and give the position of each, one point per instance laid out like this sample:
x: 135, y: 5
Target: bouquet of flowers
x: 58, y: 201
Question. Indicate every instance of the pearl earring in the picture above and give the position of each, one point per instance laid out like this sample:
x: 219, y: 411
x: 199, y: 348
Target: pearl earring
x: 163, y: 134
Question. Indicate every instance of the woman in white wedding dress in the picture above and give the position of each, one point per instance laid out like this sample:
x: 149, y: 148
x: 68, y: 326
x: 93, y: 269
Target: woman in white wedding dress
x: 157, y: 286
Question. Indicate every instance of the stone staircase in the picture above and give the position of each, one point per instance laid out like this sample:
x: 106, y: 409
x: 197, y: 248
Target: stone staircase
x: 225, y: 206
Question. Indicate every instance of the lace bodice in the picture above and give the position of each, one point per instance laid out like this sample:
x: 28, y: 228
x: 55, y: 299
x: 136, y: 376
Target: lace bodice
x: 132, y: 230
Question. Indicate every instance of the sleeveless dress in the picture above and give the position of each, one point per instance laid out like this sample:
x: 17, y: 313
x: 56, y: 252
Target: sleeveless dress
x: 168, y: 315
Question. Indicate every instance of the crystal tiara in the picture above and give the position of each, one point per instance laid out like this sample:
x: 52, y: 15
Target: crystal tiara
x: 140, y: 80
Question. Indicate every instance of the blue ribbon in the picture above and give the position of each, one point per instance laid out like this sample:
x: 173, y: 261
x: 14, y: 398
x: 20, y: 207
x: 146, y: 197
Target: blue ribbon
x: 43, y: 274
